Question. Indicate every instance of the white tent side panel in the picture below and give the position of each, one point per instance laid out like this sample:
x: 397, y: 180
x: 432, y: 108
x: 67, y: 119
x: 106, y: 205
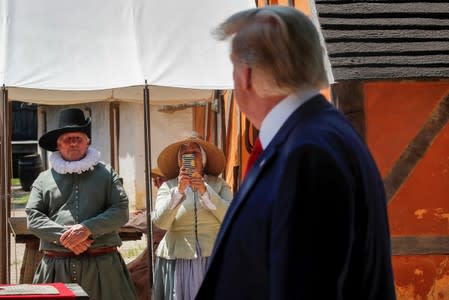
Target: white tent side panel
x: 93, y: 50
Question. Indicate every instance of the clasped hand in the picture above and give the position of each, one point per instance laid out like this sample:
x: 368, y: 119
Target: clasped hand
x: 76, y: 238
x: 196, y: 181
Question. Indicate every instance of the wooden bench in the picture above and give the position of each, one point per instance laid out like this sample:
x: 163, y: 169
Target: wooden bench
x: 32, y: 256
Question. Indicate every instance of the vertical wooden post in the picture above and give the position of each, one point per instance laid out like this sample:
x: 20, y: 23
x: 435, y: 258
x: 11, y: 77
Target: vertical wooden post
x: 3, y: 224
x: 349, y: 98
x: 215, y: 118
x: 5, y: 186
x: 199, y: 120
x: 221, y: 132
x: 114, y: 131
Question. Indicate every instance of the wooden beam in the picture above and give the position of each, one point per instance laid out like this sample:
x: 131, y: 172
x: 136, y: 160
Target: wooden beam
x: 388, y: 48
x: 5, y: 183
x: 376, y: 35
x: 420, y: 245
x: 389, y: 73
x: 349, y: 98
x: 4, y: 233
x: 410, y: 23
x: 417, y: 148
x: 199, y: 119
x: 410, y: 9
x: 222, y: 130
x: 378, y: 60
x: 114, y: 134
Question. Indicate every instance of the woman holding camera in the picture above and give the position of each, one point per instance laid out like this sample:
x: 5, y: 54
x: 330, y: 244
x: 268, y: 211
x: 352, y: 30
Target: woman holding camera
x: 190, y: 206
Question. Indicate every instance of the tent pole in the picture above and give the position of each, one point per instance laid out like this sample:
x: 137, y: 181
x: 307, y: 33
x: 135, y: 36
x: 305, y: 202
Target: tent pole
x: 5, y: 187
x: 148, y: 184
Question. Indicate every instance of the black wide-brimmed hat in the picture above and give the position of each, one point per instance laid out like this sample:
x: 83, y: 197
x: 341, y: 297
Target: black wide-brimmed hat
x: 70, y: 120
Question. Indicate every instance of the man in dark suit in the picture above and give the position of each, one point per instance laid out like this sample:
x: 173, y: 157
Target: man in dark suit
x: 309, y: 220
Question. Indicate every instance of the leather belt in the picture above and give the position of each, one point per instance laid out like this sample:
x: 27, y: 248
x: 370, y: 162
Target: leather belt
x: 88, y: 252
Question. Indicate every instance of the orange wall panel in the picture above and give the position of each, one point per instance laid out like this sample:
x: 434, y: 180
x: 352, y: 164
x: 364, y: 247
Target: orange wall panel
x: 395, y: 111
x: 421, y: 277
x: 421, y: 206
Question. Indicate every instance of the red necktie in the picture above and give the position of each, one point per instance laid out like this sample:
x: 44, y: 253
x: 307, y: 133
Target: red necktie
x: 257, y: 150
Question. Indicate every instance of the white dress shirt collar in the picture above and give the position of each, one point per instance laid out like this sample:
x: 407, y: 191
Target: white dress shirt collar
x: 280, y: 113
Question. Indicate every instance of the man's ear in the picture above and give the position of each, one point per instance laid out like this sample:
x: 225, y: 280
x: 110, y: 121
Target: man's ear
x: 248, y: 77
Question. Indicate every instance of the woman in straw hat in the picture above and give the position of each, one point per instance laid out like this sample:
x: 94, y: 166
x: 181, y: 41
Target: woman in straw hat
x: 191, y: 206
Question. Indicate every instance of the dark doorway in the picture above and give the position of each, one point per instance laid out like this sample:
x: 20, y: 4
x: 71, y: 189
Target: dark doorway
x: 24, y: 132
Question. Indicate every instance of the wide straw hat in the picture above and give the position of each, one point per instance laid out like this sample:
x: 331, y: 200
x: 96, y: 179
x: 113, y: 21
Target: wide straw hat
x: 156, y: 172
x: 168, y: 159
x: 70, y: 120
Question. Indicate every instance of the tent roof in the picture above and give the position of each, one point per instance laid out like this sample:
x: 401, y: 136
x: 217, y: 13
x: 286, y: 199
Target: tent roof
x: 158, y: 95
x: 65, y: 52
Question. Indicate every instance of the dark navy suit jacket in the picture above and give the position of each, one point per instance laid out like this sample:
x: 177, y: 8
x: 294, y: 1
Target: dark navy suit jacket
x: 309, y: 221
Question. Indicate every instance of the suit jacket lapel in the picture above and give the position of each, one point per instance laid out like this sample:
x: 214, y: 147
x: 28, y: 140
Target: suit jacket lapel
x: 308, y: 108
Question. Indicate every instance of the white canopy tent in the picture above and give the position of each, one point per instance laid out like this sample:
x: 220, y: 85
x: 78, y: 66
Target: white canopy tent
x: 84, y: 50
x: 66, y: 52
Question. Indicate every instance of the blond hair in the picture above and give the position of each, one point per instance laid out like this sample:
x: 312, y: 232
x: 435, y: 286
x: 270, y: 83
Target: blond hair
x: 281, y: 45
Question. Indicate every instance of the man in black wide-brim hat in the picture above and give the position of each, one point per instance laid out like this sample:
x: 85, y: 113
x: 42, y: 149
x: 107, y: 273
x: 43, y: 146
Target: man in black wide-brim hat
x: 76, y: 209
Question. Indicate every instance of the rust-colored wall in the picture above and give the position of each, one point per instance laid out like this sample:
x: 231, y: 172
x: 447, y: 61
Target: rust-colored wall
x: 421, y: 277
x: 395, y: 112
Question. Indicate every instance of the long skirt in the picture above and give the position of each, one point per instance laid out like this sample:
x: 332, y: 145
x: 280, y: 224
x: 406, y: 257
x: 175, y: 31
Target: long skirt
x: 103, y: 277
x: 178, y: 279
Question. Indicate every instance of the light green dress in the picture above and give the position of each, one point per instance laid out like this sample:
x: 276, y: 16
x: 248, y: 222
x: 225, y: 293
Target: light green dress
x: 96, y: 199
x: 183, y: 253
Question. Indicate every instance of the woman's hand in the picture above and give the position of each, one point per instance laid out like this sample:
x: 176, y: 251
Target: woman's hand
x: 197, y: 182
x: 183, y: 180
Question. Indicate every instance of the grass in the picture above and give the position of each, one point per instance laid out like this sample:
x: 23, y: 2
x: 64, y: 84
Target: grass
x: 19, y: 197
x: 132, y: 251
x: 20, y: 200
x: 15, y: 182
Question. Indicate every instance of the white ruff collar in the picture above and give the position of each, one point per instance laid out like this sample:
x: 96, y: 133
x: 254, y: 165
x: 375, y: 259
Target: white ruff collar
x: 62, y: 166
